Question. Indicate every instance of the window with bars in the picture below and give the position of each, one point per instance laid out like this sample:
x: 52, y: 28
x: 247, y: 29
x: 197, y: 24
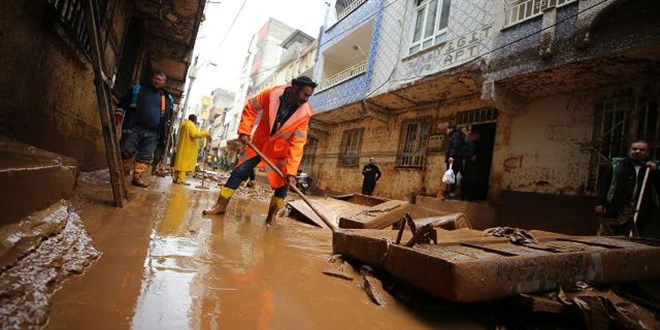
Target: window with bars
x: 619, y: 121
x: 349, y: 154
x: 431, y: 17
x: 479, y: 116
x: 309, y: 154
x: 71, y: 16
x: 412, y: 144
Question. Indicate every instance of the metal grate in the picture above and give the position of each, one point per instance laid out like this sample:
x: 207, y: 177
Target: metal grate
x: 344, y: 8
x: 351, y: 140
x: 71, y: 15
x: 619, y: 121
x: 479, y: 116
x: 309, y: 152
x: 412, y: 145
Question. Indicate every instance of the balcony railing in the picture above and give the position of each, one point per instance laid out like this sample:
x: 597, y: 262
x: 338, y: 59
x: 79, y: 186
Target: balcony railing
x: 351, y: 7
x: 517, y: 11
x: 342, y: 76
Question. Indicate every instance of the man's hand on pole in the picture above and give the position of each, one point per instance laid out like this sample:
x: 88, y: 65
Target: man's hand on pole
x: 291, y: 180
x: 651, y: 165
x: 244, y: 138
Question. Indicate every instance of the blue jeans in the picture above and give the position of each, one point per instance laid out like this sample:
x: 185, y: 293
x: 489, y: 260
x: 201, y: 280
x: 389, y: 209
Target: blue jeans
x: 243, y: 171
x: 141, y: 141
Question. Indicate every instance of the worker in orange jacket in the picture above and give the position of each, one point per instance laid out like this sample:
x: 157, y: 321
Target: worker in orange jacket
x: 280, y: 135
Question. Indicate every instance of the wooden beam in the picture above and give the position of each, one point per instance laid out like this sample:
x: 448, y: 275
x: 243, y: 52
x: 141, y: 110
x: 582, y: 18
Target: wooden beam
x: 112, y: 153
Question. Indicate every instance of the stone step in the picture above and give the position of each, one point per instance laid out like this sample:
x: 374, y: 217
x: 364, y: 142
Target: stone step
x: 32, y: 179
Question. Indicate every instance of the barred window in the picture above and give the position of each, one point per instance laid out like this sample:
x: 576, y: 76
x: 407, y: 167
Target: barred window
x: 479, y: 116
x: 431, y: 17
x: 412, y: 144
x: 309, y: 154
x: 349, y: 155
x: 621, y: 120
x: 71, y: 16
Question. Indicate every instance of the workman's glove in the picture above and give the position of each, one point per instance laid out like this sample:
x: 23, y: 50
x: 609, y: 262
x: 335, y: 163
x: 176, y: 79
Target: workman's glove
x: 118, y: 119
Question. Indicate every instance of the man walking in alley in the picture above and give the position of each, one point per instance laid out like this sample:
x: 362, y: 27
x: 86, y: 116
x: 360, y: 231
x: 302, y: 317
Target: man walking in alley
x: 280, y: 135
x: 454, y: 155
x: 619, y: 190
x: 145, y: 113
x: 186, y: 149
x: 371, y: 173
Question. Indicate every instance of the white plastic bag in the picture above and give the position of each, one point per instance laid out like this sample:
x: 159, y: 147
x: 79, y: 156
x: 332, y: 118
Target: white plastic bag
x: 449, y: 177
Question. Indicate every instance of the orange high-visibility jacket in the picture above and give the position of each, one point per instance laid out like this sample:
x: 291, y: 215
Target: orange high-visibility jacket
x: 285, y: 147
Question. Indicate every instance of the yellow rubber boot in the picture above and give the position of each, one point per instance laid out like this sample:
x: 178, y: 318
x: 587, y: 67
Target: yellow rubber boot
x: 126, y: 164
x: 181, y: 178
x: 276, y: 204
x: 221, y: 205
x: 140, y: 168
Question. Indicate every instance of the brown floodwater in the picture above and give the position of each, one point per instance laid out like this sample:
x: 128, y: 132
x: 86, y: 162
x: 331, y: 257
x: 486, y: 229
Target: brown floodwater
x: 165, y: 266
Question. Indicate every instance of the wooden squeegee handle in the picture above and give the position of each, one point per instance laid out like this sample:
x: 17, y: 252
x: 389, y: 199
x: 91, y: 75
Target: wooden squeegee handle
x: 330, y: 225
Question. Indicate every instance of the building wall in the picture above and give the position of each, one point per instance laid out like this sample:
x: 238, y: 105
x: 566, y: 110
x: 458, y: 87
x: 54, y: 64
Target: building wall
x: 548, y: 148
x: 356, y: 88
x: 47, y: 85
x: 381, y: 140
x: 469, y: 35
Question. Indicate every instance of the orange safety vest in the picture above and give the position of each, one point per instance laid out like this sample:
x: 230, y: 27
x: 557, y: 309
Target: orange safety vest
x: 285, y: 147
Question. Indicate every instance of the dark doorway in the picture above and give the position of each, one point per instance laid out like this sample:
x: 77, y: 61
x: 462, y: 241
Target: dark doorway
x: 476, y: 174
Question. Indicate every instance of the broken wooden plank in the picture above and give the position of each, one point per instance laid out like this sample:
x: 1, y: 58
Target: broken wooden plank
x: 331, y: 208
x: 376, y: 217
x: 488, y: 268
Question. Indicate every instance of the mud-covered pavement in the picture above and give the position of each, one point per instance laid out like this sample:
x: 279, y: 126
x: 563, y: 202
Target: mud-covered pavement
x: 165, y: 266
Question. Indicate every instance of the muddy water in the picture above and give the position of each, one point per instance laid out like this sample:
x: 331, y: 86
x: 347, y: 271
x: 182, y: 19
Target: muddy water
x: 165, y: 266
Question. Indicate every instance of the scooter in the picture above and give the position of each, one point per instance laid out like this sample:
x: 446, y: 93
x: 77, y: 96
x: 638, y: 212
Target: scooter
x: 303, y: 181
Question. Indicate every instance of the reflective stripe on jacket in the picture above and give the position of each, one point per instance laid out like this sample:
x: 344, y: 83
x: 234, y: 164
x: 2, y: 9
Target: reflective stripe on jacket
x: 285, y: 147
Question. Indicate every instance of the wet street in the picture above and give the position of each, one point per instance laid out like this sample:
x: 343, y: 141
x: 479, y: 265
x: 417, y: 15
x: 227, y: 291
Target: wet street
x: 165, y: 266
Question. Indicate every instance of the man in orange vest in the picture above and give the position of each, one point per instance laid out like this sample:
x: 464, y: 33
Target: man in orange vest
x: 280, y: 135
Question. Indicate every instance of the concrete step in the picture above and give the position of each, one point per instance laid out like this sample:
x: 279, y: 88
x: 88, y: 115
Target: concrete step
x: 32, y: 179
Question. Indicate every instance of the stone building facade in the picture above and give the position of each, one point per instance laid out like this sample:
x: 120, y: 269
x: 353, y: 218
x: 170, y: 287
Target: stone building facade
x: 554, y: 88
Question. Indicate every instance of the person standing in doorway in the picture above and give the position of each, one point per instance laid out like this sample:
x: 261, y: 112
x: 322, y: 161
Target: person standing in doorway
x: 454, y: 155
x: 186, y: 149
x: 371, y: 173
x: 145, y: 114
x: 280, y: 136
x: 471, y: 171
x: 619, y: 191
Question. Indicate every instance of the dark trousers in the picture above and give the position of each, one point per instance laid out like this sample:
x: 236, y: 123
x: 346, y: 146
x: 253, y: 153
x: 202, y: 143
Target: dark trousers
x: 243, y: 172
x: 368, y: 186
x: 139, y: 141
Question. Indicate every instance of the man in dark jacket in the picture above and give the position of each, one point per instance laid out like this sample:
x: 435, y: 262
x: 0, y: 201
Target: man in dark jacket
x: 371, y: 173
x: 145, y: 113
x: 454, y: 155
x: 619, y: 191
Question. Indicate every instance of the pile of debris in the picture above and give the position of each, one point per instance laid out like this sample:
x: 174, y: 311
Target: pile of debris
x: 444, y: 257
